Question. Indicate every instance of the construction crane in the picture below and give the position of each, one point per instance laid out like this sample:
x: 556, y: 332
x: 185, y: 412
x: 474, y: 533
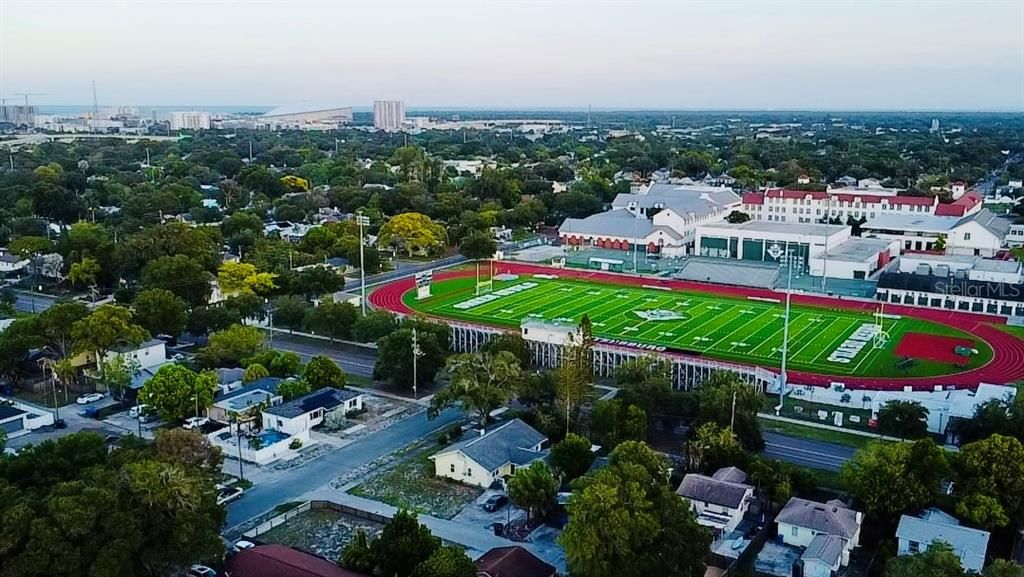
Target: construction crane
x: 27, y: 94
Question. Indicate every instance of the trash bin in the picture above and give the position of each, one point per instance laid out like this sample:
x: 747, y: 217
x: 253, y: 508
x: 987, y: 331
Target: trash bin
x: 499, y: 529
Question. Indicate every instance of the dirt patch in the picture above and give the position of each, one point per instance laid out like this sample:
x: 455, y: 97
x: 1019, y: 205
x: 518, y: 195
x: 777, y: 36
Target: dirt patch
x: 323, y: 532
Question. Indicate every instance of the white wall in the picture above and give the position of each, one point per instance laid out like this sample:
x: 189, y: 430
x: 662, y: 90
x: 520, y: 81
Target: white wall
x: 147, y: 357
x: 457, y: 466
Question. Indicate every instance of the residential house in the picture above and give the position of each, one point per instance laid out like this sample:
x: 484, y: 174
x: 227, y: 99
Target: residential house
x: 280, y: 561
x: 492, y: 455
x: 512, y: 561
x: 261, y: 392
x: 11, y: 263
x: 298, y: 416
x: 17, y: 418
x: 826, y: 531
x: 149, y: 354
x: 917, y: 534
x: 719, y: 501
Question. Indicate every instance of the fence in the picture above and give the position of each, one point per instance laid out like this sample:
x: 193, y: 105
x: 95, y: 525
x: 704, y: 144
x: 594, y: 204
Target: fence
x: 283, y: 518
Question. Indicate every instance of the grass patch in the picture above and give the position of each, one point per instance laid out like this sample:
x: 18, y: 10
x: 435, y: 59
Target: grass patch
x: 286, y: 506
x: 359, y: 380
x: 815, y: 434
x: 411, y: 485
x: 1013, y: 330
x: 696, y: 322
x: 828, y: 480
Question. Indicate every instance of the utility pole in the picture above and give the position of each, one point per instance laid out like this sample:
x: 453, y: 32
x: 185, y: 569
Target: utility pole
x: 362, y: 221
x: 732, y: 419
x: 415, y: 355
x: 270, y: 319
x: 238, y: 441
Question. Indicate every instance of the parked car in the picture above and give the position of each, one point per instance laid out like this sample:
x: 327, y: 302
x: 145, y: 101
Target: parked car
x: 229, y: 494
x: 495, y: 503
x: 138, y: 410
x: 89, y: 398
x: 202, y: 571
x: 243, y: 544
x: 195, y: 422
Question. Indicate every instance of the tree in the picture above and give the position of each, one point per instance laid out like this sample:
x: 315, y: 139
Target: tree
x: 533, y: 489
x: 905, y: 419
x: 321, y: 372
x: 938, y: 560
x: 447, y: 561
x: 892, y: 478
x: 255, y: 372
x: 1003, y: 568
x: 374, y: 326
x: 117, y: 374
x: 575, y: 375
x: 179, y: 274
x: 403, y: 545
x: 289, y: 311
x: 992, y: 468
x: 476, y: 247
x: 614, y: 422
x: 293, y: 389
x: 982, y: 510
x: 231, y: 345
x: 243, y: 278
x: 712, y: 448
x: 719, y: 395
x: 413, y: 233
x: 160, y: 312
x: 394, y: 355
x: 511, y: 342
x: 191, y: 449
x: 358, y: 555
x: 27, y: 246
x: 15, y: 343
x: 571, y: 457
x: 55, y: 324
x: 84, y: 272
x: 625, y: 521
x: 479, y: 382
x: 333, y: 319
x: 737, y: 217
x: 177, y: 392
x: 106, y: 327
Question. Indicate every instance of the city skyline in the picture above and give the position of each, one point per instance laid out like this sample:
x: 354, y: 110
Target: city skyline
x: 638, y: 56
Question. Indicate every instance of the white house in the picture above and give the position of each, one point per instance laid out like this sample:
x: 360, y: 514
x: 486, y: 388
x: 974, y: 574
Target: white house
x: 826, y: 531
x: 147, y: 355
x: 492, y: 455
x: 17, y: 418
x: 945, y: 405
x: 719, y: 501
x: 10, y: 263
x: 917, y: 534
x: 298, y: 416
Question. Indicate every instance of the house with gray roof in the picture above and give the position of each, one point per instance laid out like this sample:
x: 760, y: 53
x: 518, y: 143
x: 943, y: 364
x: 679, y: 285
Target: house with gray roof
x: 491, y: 455
x: 826, y: 530
x: 823, y: 556
x: 917, y: 534
x: 661, y: 217
x: 719, y: 501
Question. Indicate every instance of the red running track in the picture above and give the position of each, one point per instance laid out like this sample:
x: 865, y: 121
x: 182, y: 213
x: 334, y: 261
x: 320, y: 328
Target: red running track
x: 1006, y: 366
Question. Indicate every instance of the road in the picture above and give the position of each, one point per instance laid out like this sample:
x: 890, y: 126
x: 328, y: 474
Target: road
x: 403, y: 269
x: 806, y: 453
x: 354, y: 360
x: 294, y: 483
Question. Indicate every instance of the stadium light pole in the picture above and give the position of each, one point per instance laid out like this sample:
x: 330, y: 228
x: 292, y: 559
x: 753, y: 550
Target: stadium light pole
x: 784, y: 255
x: 824, y: 262
x: 362, y: 221
x: 636, y: 239
x: 415, y: 355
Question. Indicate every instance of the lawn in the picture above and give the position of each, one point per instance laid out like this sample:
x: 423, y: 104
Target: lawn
x: 702, y: 323
x: 815, y: 434
x: 411, y: 484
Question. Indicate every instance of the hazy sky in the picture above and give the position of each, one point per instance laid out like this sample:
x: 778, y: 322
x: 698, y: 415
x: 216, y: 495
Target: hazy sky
x: 794, y: 55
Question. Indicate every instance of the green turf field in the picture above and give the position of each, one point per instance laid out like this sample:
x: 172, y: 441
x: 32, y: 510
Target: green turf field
x: 716, y: 326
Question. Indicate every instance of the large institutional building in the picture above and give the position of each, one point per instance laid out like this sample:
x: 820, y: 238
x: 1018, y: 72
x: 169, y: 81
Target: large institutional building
x: 388, y: 114
x: 190, y: 120
x: 305, y: 117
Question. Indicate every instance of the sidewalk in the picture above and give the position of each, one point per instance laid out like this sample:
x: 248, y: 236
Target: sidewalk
x: 813, y: 425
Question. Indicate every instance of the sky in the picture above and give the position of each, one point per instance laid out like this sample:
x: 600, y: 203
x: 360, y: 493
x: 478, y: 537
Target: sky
x: 811, y: 55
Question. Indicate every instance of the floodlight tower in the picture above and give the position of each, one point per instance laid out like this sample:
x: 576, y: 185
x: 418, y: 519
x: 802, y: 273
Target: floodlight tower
x: 791, y: 260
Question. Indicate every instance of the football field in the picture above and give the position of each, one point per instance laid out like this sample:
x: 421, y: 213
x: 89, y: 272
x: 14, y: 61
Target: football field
x: 822, y: 340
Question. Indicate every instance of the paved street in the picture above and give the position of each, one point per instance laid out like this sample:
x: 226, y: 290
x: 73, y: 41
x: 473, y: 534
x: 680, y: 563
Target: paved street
x: 806, y: 453
x: 353, y: 359
x: 402, y: 269
x: 292, y: 484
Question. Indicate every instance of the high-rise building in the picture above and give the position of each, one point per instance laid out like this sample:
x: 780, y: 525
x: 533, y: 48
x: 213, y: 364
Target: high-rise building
x: 190, y: 120
x: 18, y: 115
x: 388, y: 114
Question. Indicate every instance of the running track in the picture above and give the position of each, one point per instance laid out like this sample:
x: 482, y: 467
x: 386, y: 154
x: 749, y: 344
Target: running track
x: 1006, y: 366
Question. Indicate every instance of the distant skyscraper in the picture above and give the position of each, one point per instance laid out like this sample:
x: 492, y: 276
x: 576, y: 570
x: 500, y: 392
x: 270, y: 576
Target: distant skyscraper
x: 388, y: 114
x: 935, y: 125
x: 18, y: 115
x: 190, y: 121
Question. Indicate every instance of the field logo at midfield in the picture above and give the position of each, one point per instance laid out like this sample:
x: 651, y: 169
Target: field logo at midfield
x: 660, y: 315
x: 853, y: 345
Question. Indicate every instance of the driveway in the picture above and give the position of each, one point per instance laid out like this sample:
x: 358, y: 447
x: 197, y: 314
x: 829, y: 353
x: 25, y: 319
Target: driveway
x: 75, y: 423
x: 294, y: 483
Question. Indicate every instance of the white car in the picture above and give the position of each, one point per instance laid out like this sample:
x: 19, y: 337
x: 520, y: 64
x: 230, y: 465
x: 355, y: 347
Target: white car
x: 89, y: 398
x: 243, y: 544
x: 202, y: 571
x: 195, y: 422
x: 229, y: 494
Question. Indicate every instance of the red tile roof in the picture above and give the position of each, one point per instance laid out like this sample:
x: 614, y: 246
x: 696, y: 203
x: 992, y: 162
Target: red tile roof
x: 281, y: 561
x: 960, y: 206
x: 753, y: 198
x: 512, y: 562
x: 788, y: 193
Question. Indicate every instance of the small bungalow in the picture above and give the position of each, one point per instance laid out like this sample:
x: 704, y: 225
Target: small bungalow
x: 827, y: 532
x: 492, y: 455
x: 512, y: 561
x: 298, y: 416
x: 719, y: 501
x: 917, y: 534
